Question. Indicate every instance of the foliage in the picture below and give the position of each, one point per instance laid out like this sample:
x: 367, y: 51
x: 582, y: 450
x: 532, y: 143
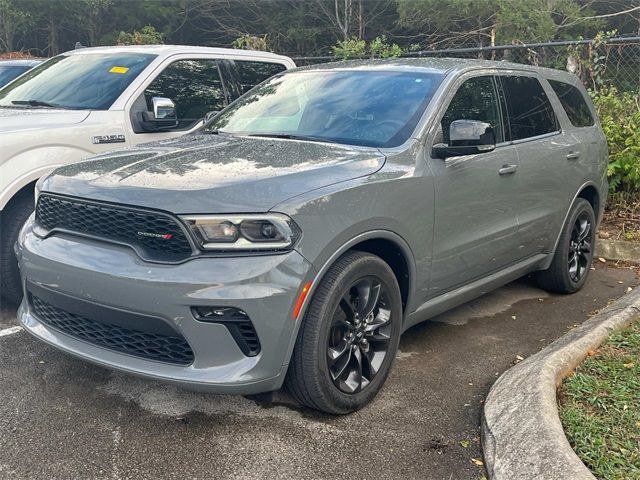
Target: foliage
x: 251, y: 42
x: 599, y: 408
x: 312, y: 27
x: 589, y: 61
x: 350, y: 48
x: 379, y: 47
x: 619, y: 114
x: 146, y: 36
x: 490, y: 22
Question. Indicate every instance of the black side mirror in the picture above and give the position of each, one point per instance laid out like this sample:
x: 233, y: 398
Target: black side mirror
x: 466, y: 137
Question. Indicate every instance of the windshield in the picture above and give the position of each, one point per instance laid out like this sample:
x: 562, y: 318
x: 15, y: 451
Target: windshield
x: 355, y: 107
x: 9, y: 72
x: 85, y: 81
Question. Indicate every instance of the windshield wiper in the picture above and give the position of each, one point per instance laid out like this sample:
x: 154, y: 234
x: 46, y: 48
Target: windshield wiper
x: 291, y: 137
x: 40, y: 103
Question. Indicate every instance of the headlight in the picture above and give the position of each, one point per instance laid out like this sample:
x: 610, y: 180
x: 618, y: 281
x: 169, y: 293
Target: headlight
x: 273, y: 231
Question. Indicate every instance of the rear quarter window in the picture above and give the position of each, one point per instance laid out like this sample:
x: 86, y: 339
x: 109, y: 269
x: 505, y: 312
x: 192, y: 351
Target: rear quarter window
x: 574, y: 103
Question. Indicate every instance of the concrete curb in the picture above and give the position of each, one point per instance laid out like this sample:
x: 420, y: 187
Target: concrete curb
x: 522, y: 437
x: 618, y: 250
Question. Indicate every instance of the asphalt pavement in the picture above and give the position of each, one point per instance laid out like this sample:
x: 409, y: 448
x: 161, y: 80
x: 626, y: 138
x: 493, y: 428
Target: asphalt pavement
x: 64, y: 418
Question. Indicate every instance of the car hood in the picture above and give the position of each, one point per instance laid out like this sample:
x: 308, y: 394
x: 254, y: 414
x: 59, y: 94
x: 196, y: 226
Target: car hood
x: 18, y: 119
x: 213, y: 173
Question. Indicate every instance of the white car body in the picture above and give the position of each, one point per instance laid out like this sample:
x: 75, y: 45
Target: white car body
x: 35, y: 141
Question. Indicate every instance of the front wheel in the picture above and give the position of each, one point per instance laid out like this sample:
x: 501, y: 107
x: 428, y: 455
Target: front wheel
x: 12, y: 220
x: 574, y: 253
x: 349, y: 336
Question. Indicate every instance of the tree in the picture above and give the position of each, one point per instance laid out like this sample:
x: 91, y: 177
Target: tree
x: 13, y: 20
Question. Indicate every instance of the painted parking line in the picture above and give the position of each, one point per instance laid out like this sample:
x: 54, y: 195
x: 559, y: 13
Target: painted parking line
x: 10, y: 331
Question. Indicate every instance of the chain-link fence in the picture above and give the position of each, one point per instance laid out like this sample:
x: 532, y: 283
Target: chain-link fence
x: 598, y: 62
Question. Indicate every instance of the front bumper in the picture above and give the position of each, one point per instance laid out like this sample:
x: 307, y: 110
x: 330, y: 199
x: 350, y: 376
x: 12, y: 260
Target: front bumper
x: 114, y: 278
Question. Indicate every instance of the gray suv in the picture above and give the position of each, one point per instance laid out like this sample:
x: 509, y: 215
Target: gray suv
x: 304, y: 228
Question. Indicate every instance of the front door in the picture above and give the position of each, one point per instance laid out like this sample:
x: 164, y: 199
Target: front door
x: 475, y: 196
x: 196, y: 88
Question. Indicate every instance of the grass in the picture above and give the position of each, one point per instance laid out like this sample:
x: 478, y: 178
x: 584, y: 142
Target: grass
x: 600, y: 407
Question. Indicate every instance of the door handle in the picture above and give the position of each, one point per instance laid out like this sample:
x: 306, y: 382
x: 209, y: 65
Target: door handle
x: 507, y: 169
x: 573, y: 155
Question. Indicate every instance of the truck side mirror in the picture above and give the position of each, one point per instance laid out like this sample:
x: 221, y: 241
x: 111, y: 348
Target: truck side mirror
x: 163, y: 117
x: 164, y: 109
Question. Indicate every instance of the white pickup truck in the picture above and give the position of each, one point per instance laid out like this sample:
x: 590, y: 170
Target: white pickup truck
x: 91, y: 100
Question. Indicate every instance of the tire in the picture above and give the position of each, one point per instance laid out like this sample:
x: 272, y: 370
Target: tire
x: 329, y: 329
x: 12, y: 220
x: 574, y: 252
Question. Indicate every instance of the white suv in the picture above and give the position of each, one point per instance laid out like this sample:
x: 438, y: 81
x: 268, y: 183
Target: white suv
x: 92, y: 100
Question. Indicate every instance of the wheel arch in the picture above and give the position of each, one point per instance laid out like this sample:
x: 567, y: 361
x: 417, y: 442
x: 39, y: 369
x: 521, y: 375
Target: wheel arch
x: 590, y: 194
x: 25, y: 181
x: 588, y: 191
x: 391, y: 245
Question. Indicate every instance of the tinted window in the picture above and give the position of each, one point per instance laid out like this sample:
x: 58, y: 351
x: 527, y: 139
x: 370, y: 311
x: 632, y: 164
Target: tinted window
x: 193, y: 85
x: 9, y: 72
x: 476, y: 99
x: 529, y: 110
x: 90, y: 81
x: 249, y: 74
x: 573, y: 103
x: 356, y: 107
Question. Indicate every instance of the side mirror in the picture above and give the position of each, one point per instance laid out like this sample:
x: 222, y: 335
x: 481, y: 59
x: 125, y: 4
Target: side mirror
x: 163, y: 117
x: 466, y: 137
x: 163, y: 108
x: 210, y: 115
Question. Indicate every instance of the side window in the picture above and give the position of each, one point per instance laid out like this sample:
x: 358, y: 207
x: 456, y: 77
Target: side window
x: 247, y: 75
x: 529, y: 110
x: 573, y: 103
x: 476, y: 99
x: 193, y: 85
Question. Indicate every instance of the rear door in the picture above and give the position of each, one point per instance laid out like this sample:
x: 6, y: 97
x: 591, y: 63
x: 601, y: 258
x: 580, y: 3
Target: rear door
x: 475, y: 195
x: 543, y: 147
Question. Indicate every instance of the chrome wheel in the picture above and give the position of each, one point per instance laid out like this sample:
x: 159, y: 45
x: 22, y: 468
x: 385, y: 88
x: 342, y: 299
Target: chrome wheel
x: 580, y: 247
x: 359, y: 335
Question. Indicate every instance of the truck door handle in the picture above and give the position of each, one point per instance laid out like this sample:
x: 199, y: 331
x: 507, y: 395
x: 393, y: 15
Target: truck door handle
x: 507, y: 169
x: 573, y: 155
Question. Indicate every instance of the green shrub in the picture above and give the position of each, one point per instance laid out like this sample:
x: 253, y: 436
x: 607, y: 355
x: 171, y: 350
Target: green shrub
x: 379, y: 47
x: 146, y: 36
x: 620, y: 116
x: 350, y: 48
x: 251, y: 42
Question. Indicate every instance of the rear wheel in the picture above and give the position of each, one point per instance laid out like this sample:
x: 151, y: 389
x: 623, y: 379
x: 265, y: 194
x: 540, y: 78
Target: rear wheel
x: 349, y: 336
x: 574, y: 253
x: 13, y: 217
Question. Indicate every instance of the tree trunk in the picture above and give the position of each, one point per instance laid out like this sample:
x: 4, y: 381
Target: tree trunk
x: 53, y: 48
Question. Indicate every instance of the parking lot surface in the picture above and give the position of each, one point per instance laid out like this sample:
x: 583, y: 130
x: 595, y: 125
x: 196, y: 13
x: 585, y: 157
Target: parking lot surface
x: 64, y: 418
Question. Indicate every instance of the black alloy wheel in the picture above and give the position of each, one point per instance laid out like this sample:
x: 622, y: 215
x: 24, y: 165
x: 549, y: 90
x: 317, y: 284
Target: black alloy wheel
x: 359, y: 335
x: 349, y: 336
x: 580, y: 246
x: 571, y: 261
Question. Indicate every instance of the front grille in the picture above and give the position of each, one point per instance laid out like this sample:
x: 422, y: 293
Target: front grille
x: 147, y: 345
x: 154, y: 235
